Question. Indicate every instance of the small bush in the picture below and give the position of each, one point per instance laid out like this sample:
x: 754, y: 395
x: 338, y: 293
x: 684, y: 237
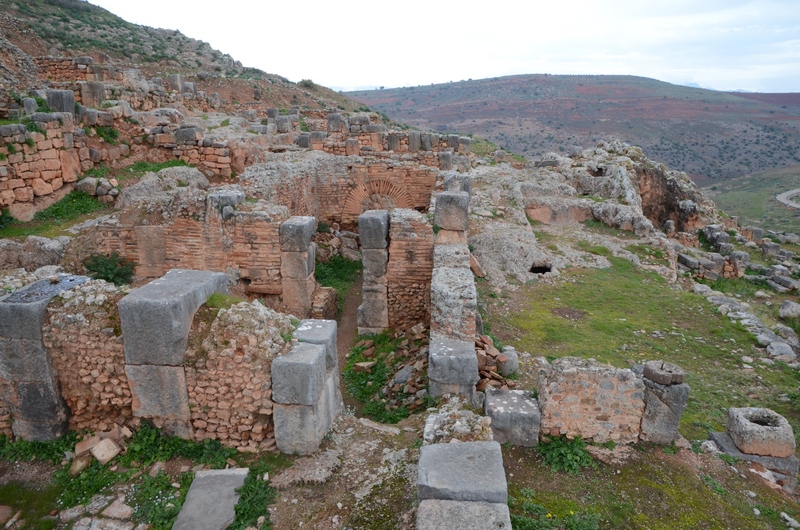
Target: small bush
x: 109, y: 134
x: 570, y: 456
x: 112, y: 268
x: 307, y: 83
x: 32, y: 126
x: 29, y: 142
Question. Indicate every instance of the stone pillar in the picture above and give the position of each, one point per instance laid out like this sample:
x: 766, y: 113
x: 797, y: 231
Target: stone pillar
x: 373, y: 313
x: 665, y: 398
x: 393, y: 142
x: 305, y: 388
x: 176, y: 83
x: 298, y: 255
x: 155, y: 321
x: 450, y: 217
x: 445, y: 160
x: 413, y: 141
x: 35, y: 401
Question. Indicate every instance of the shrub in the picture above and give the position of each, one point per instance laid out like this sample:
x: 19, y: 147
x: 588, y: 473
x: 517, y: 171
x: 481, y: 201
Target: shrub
x: 561, y: 454
x: 307, y: 83
x: 112, y: 268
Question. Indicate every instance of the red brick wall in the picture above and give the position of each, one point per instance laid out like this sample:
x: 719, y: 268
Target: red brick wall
x: 410, y: 268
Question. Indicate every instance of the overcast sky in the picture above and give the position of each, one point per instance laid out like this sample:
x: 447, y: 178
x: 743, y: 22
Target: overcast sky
x: 721, y: 44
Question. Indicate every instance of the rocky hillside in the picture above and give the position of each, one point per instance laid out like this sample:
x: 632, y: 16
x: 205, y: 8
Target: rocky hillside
x: 710, y: 135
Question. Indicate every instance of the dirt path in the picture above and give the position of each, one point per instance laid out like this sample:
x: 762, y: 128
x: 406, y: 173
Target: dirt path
x: 348, y: 332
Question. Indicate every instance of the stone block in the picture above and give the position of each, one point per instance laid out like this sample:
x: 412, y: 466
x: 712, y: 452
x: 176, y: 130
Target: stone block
x: 189, y: 135
x: 211, y: 500
x: 156, y: 318
x: 337, y: 122
x: 298, y: 265
x: 458, y: 182
x: 663, y: 373
x: 85, y: 446
x: 434, y: 514
x: 24, y: 360
x: 511, y: 363
x: 393, y: 142
x: 176, y: 83
x: 30, y: 105
x: 296, y: 233
x: 452, y: 141
x: 515, y: 416
x: 663, y: 407
x: 373, y: 229
x: 322, y: 332
x: 61, y: 100
x: 454, y: 256
x: 375, y: 261
x: 760, y: 431
x: 468, y: 471
x: 22, y: 312
x: 298, y: 295
x: 413, y: 141
x: 158, y: 391
x: 105, y: 451
x: 452, y: 208
x: 464, y: 144
x: 93, y: 94
x: 452, y: 362
x: 273, y: 113
x: 787, y: 465
x: 38, y: 402
x: 299, y: 429
x: 298, y: 377
x: 34, y: 431
x: 373, y: 313
x: 303, y: 140
x: 454, y: 303
x: 284, y: 124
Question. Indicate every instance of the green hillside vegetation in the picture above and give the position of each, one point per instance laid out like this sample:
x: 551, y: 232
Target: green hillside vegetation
x: 752, y: 199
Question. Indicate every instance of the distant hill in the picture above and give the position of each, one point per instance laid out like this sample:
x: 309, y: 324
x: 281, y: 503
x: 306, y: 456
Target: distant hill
x: 752, y: 198
x: 709, y: 134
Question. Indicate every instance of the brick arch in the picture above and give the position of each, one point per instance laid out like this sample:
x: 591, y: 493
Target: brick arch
x: 365, y: 190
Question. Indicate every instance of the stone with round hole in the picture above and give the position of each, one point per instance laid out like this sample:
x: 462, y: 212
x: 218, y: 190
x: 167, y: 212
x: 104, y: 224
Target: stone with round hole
x: 760, y: 431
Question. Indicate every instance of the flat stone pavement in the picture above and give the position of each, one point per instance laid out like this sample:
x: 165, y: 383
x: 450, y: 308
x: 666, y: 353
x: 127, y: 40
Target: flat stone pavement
x: 211, y: 500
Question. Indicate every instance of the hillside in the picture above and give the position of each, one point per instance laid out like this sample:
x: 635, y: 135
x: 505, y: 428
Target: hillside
x: 74, y: 28
x: 752, y: 198
x: 711, y: 135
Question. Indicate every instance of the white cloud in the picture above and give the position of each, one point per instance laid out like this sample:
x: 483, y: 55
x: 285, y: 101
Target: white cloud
x: 746, y: 44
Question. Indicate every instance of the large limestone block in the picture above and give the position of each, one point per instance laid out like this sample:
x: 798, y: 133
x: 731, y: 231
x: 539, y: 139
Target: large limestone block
x: 299, y: 265
x: 375, y: 261
x: 469, y: 471
x: 158, y: 391
x: 454, y: 303
x: 296, y: 233
x: 452, y: 209
x: 457, y: 182
x: 515, y: 416
x: 435, y: 514
x: 453, y: 365
x: 156, y: 318
x: 24, y: 360
x: 61, y: 100
x: 299, y: 429
x: 35, y: 431
x: 93, y: 94
x: 414, y: 141
x: 663, y: 407
x: 373, y: 313
x: 322, y: 332
x: 373, y: 229
x: 22, y: 312
x: 298, y: 377
x: 759, y: 431
x: 37, y: 401
x: 454, y: 256
x: 298, y: 295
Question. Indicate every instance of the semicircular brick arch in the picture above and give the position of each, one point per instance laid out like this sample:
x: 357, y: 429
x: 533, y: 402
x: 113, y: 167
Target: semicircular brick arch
x: 364, y: 190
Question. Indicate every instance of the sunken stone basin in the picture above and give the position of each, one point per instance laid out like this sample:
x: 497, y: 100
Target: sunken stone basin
x: 758, y: 431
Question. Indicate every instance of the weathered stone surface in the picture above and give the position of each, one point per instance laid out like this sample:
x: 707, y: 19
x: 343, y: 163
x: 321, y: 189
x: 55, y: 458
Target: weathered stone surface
x: 454, y: 256
x: 38, y: 402
x: 211, y: 500
x: 760, y: 431
x: 375, y: 261
x: 373, y: 313
x: 452, y: 366
x: 789, y: 309
x: 296, y: 233
x: 373, y: 229
x: 579, y: 397
x: 298, y: 377
x: 468, y: 471
x: 22, y: 312
x: 786, y: 465
x: 663, y: 373
x: 322, y: 332
x: 156, y: 318
x: 35, y: 431
x: 663, y: 407
x: 435, y: 514
x: 105, y: 451
x: 458, y: 182
x: 299, y: 265
x: 515, y: 416
x: 158, y: 391
x: 454, y: 303
x: 511, y: 363
x: 299, y: 429
x: 24, y: 360
x: 452, y: 209
x: 61, y: 100
x: 93, y: 94
x: 118, y: 510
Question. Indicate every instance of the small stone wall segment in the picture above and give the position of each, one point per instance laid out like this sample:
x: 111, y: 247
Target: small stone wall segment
x: 30, y: 381
x: 155, y: 321
x: 306, y: 388
x: 665, y: 399
x: 410, y: 267
x: 297, y: 264
x: 373, y: 313
x: 83, y: 338
x: 38, y: 169
x: 515, y: 416
x: 601, y: 403
x: 452, y: 367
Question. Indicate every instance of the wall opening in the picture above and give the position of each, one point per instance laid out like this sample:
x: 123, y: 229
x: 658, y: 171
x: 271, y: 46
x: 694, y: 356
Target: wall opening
x: 541, y: 268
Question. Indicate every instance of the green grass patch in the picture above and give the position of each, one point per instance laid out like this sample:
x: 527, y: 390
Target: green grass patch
x: 561, y: 454
x: 339, y: 273
x: 598, y: 250
x: 149, y: 445
x: 223, y: 301
x: 600, y: 227
x: 140, y: 168
x: 23, y: 450
x: 94, y: 479
x: 157, y: 502
x: 255, y: 496
x: 108, y: 134
x: 648, y: 254
x: 742, y: 287
x: 35, y: 504
x: 72, y: 206
x: 99, y: 171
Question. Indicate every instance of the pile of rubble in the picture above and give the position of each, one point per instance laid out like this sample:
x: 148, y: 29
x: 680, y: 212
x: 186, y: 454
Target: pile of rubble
x: 495, y: 366
x: 103, y: 447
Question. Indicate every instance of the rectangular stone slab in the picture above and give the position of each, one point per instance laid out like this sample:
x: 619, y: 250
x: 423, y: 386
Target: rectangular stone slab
x: 453, y: 361
x: 158, y: 391
x: 299, y: 429
x: 156, y: 318
x: 211, y: 500
x: 787, y: 466
x: 458, y: 515
x: 469, y: 471
x: 322, y: 332
x: 298, y: 376
x: 373, y: 227
x: 515, y: 416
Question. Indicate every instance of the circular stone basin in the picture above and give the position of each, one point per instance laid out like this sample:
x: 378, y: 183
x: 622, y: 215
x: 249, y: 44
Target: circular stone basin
x: 759, y: 431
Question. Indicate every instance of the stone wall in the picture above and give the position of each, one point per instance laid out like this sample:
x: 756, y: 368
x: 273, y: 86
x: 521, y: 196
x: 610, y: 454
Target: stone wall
x: 38, y: 168
x: 410, y: 267
x: 601, y: 403
x: 59, y: 69
x: 83, y: 337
